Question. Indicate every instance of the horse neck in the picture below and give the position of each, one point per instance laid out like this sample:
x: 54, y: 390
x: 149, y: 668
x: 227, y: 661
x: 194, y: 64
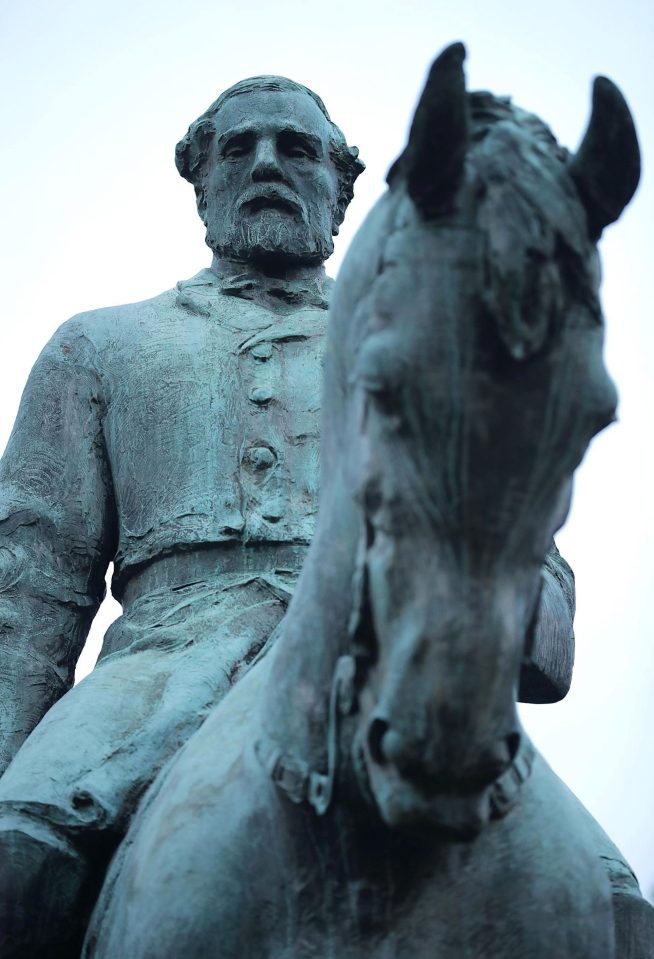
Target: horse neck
x: 314, y: 633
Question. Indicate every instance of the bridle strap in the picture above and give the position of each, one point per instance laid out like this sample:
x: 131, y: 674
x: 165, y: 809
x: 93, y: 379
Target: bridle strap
x: 294, y: 776
x: 300, y: 783
x: 505, y: 790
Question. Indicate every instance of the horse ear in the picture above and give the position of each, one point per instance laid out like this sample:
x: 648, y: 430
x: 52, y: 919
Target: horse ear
x: 433, y: 159
x: 606, y: 167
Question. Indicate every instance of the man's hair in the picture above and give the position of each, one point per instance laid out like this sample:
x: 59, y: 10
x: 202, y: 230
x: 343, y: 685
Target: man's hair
x: 192, y: 151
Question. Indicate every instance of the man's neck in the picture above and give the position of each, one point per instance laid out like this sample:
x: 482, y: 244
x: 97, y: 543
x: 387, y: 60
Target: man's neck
x: 301, y: 273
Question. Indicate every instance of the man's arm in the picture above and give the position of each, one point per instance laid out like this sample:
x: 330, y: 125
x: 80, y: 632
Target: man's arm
x: 56, y: 533
x: 547, y: 677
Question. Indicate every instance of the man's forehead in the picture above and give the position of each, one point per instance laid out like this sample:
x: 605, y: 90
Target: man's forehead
x: 274, y: 110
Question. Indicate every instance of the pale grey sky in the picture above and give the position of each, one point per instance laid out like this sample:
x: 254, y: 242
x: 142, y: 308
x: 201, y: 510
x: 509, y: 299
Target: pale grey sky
x: 95, y: 96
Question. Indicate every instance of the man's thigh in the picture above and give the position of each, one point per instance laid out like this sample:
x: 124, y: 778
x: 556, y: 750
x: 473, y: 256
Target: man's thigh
x: 94, y: 753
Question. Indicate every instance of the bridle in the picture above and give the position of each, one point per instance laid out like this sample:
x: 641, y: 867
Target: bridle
x: 300, y: 783
x: 293, y: 776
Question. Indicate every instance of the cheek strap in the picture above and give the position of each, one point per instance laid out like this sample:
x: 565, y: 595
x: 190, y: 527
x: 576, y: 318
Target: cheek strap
x: 293, y: 775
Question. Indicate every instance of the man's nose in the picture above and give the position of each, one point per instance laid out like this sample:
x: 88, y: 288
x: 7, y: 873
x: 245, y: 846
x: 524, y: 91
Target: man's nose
x: 266, y: 164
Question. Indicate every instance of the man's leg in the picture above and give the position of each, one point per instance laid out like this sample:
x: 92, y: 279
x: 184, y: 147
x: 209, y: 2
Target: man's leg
x: 64, y: 799
x: 67, y: 797
x: 633, y: 915
x: 42, y: 865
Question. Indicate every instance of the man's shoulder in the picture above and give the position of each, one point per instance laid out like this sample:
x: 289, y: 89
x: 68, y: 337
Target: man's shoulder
x: 108, y: 330
x: 113, y: 329
x: 104, y: 322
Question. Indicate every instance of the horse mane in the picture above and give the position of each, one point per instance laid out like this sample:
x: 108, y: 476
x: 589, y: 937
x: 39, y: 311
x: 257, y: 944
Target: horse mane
x: 538, y: 257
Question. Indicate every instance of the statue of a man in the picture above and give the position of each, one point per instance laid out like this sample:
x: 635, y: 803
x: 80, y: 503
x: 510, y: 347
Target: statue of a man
x: 178, y: 438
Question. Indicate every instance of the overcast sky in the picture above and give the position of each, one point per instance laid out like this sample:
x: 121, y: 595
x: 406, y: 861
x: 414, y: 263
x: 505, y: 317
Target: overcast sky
x: 95, y: 96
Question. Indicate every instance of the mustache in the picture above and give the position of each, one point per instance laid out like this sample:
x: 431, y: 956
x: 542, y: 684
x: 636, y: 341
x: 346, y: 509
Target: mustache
x: 267, y: 195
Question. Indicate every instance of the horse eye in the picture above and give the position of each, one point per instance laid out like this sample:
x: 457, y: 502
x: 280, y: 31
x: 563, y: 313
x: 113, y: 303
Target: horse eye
x: 386, y: 401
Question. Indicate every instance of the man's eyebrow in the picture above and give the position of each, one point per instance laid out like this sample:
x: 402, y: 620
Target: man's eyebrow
x: 235, y: 132
x: 298, y: 131
x: 246, y: 130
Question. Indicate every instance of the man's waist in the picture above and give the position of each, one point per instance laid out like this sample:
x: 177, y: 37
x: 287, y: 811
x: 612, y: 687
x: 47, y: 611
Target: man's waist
x: 207, y: 563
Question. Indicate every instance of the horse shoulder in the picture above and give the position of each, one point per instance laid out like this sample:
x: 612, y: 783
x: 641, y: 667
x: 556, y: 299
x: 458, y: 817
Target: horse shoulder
x: 545, y: 861
x: 530, y: 884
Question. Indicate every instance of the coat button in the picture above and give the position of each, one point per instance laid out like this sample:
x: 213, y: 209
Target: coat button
x: 261, y: 395
x: 272, y: 511
x: 262, y: 351
x: 259, y: 458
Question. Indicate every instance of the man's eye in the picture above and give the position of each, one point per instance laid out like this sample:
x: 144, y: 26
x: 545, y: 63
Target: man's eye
x: 296, y: 148
x: 235, y: 148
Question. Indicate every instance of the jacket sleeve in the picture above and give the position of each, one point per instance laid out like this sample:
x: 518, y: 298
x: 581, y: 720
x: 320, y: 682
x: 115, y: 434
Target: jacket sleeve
x: 546, y: 678
x: 56, y: 532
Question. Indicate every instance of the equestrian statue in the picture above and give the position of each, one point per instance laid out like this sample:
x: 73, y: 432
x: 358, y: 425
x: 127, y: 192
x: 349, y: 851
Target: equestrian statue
x: 367, y: 789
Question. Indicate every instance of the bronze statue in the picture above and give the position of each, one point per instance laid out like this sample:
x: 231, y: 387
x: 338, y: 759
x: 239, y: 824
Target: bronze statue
x: 178, y: 437
x: 367, y: 789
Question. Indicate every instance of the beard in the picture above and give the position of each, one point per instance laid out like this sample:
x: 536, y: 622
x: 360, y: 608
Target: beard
x: 272, y: 234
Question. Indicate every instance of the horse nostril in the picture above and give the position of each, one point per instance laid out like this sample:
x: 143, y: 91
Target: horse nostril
x: 376, y: 732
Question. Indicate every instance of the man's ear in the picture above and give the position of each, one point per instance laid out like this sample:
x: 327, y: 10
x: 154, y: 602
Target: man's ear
x: 345, y: 187
x: 201, y: 200
x: 338, y: 212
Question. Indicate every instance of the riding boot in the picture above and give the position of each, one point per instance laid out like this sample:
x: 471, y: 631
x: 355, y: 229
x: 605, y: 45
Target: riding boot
x: 47, y: 889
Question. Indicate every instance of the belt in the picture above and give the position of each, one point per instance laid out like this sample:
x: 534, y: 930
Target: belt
x: 203, y: 563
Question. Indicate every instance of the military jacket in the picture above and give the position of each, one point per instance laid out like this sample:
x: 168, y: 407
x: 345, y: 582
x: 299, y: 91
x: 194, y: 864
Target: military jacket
x: 191, y: 418
x: 185, y: 420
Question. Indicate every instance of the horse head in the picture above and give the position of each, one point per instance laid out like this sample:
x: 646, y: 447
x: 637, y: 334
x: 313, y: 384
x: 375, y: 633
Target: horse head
x: 464, y: 381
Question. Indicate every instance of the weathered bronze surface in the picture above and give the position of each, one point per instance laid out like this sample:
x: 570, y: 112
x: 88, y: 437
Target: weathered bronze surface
x: 366, y: 789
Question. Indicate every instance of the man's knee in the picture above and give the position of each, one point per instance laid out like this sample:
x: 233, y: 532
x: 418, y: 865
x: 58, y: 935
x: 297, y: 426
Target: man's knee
x: 44, y: 884
x: 634, y: 927
x: 633, y: 915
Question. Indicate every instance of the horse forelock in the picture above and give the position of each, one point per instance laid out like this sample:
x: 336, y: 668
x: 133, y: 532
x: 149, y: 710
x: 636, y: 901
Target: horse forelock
x: 519, y: 195
x: 486, y: 110
x: 539, y: 259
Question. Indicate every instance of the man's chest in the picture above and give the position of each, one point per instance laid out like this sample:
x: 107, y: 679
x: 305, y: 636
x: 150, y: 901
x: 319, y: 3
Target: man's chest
x: 217, y: 382
x: 219, y: 421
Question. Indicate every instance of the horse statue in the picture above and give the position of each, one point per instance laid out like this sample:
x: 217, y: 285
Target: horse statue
x: 367, y: 789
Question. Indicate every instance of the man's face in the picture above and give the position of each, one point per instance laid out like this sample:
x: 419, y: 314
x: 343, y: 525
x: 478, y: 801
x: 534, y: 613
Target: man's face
x: 270, y: 186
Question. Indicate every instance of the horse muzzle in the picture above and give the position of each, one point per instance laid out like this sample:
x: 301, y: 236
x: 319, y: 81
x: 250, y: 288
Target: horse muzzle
x: 458, y: 806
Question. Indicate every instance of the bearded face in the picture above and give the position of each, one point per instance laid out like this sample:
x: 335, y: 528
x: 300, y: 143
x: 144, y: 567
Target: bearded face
x: 270, y: 190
